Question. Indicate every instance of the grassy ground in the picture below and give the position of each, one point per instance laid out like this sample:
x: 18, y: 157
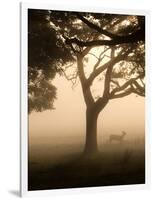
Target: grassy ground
x: 116, y: 164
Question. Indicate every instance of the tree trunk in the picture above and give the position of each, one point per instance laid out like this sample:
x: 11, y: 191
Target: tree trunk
x: 91, y: 133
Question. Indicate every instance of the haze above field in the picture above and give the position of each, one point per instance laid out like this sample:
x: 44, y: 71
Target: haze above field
x: 68, y: 118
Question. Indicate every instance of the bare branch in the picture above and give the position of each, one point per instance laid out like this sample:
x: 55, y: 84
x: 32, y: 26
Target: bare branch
x: 94, y: 56
x: 71, y: 78
x: 68, y: 66
x: 101, y: 57
x: 124, y: 86
x: 112, y: 62
x: 108, y: 76
x: 115, y: 82
x: 123, y: 94
x: 86, y: 90
x: 142, y: 82
x: 139, y: 87
x: 142, y: 94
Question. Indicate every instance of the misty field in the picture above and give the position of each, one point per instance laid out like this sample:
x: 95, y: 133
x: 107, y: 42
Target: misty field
x: 61, y: 164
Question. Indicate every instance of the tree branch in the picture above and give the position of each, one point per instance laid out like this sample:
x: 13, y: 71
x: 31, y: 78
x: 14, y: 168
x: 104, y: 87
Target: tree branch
x: 123, y: 94
x: 86, y: 51
x: 139, y: 87
x: 86, y: 90
x: 142, y: 94
x: 112, y: 62
x: 108, y: 76
x: 101, y: 57
x: 96, y: 27
x: 71, y: 78
x: 115, y: 82
x: 132, y: 38
x: 124, y: 86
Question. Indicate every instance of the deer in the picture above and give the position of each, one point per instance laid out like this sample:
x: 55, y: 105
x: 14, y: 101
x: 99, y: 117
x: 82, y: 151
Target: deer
x: 118, y: 138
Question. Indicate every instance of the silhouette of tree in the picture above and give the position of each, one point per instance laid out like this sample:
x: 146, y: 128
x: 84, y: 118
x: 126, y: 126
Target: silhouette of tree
x: 116, y: 44
x: 46, y: 53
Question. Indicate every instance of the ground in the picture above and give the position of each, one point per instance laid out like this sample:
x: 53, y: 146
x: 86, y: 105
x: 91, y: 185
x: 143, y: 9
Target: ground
x: 116, y: 164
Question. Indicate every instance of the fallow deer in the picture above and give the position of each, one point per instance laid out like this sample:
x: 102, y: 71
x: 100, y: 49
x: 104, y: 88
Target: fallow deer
x: 118, y: 138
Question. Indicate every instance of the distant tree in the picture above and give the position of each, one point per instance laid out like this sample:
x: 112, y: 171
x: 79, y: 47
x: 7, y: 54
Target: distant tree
x: 116, y: 44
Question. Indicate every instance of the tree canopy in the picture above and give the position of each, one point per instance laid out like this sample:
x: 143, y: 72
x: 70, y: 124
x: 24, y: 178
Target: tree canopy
x: 46, y: 53
x: 57, y: 39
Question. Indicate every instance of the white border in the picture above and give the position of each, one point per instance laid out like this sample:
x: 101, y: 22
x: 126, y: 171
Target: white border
x: 24, y: 79
x: 23, y: 100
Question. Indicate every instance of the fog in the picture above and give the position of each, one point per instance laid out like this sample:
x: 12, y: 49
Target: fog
x: 57, y: 138
x: 67, y: 120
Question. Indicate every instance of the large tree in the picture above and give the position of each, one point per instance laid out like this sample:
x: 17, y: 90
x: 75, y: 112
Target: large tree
x: 108, y: 50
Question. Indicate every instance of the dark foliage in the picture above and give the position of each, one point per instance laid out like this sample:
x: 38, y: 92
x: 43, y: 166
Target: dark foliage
x: 46, y: 53
x: 56, y: 37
